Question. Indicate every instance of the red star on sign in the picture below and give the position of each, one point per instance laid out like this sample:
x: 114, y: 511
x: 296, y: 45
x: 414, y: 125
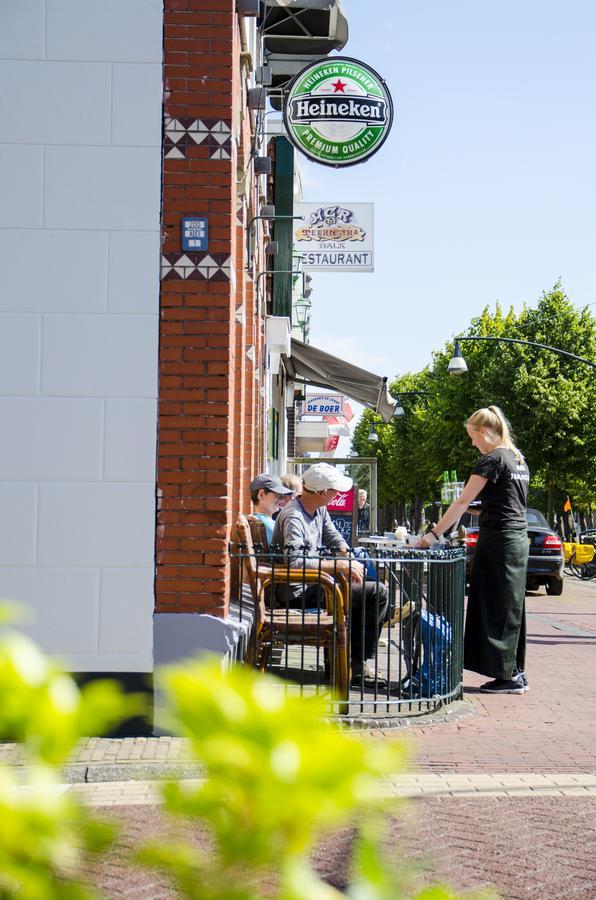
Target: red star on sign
x: 339, y: 86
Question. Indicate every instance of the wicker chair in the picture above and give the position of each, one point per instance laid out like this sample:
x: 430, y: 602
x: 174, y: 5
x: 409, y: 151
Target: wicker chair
x: 326, y: 628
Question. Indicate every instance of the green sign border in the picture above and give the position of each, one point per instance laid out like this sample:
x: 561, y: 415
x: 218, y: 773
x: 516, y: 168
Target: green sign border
x: 376, y: 135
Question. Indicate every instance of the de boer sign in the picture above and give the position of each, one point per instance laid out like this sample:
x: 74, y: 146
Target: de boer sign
x: 338, y: 111
x: 324, y: 405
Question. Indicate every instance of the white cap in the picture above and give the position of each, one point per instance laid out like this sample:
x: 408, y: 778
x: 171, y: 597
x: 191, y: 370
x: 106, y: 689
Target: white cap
x: 323, y: 477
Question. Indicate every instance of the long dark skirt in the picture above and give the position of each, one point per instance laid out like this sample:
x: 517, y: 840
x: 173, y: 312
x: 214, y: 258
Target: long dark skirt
x: 495, y: 634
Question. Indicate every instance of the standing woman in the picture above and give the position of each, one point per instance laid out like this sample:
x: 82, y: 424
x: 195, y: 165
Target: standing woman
x: 495, y: 633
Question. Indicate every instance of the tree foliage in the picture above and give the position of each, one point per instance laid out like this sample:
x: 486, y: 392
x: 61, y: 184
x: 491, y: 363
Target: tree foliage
x: 548, y: 398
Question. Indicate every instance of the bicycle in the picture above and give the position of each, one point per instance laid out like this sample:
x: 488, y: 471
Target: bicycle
x: 582, y: 561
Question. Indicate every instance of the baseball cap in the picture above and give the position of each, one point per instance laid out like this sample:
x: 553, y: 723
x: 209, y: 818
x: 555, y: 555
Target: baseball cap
x: 323, y: 477
x: 269, y: 483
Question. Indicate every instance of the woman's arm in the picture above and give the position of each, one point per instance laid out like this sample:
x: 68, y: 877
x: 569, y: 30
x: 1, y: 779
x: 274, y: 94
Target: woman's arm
x: 455, y: 511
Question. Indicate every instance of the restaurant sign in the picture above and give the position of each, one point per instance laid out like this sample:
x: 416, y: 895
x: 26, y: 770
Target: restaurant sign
x: 335, y: 237
x: 338, y: 111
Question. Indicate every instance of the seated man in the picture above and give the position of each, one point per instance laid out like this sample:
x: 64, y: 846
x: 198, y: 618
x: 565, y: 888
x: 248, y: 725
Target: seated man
x: 265, y: 492
x: 302, y: 527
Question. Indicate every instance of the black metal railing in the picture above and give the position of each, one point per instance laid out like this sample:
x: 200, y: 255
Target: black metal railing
x: 391, y: 647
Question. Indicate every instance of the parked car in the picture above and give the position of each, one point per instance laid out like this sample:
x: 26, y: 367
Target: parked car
x: 545, y: 562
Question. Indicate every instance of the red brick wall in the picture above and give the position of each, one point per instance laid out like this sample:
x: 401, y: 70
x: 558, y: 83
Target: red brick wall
x: 207, y: 389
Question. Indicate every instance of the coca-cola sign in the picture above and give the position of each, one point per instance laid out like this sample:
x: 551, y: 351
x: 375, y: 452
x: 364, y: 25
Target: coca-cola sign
x: 342, y: 502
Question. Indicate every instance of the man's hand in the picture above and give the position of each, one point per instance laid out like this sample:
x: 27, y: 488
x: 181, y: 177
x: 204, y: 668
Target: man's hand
x: 351, y: 568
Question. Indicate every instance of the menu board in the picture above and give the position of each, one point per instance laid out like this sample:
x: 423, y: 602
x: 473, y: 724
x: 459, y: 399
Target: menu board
x: 343, y: 510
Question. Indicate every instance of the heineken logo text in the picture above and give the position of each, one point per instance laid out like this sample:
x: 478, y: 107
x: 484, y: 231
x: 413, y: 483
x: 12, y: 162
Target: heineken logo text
x: 307, y: 109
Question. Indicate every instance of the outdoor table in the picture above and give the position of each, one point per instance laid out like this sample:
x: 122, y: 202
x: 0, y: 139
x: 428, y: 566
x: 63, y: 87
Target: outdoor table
x: 376, y: 542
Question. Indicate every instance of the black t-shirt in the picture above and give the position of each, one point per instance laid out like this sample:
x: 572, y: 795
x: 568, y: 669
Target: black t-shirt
x: 504, y: 498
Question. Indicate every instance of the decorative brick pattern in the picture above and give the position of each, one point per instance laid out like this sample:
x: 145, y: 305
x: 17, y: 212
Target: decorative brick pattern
x: 196, y: 266
x: 181, y: 134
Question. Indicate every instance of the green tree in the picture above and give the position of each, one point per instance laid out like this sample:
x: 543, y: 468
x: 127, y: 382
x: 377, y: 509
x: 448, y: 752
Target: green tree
x: 549, y: 400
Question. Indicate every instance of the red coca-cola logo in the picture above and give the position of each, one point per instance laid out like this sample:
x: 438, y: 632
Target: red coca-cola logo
x: 342, y: 502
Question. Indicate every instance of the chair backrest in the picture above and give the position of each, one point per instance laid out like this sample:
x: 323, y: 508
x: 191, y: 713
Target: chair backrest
x: 258, y: 532
x: 250, y: 567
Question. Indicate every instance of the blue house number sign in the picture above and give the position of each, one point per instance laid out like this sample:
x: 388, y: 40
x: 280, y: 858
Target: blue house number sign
x: 195, y: 233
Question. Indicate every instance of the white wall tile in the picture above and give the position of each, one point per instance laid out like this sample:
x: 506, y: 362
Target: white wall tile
x: 18, y: 503
x: 19, y: 353
x: 47, y: 438
x: 127, y: 30
x: 100, y: 356
x: 136, y: 105
x: 110, y: 188
x: 130, y: 440
x: 22, y: 29
x: 21, y: 170
x: 56, y: 102
x: 126, y: 611
x: 63, y: 602
x: 53, y: 271
x: 133, y: 276
x: 96, y: 524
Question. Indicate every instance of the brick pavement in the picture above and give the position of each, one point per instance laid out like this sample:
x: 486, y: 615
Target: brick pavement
x: 551, y: 728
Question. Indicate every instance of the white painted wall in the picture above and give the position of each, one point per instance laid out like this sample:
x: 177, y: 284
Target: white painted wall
x: 80, y: 159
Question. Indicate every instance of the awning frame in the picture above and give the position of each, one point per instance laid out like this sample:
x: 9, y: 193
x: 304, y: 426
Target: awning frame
x: 321, y: 369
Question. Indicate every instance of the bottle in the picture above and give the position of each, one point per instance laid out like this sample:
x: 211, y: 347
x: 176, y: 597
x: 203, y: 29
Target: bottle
x: 445, y: 487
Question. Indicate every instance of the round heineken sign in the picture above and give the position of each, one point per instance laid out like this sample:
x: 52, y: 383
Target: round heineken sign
x: 338, y: 111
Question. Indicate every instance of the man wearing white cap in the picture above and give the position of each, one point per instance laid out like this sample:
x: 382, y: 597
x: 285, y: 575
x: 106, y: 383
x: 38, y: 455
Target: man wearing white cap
x: 302, y: 527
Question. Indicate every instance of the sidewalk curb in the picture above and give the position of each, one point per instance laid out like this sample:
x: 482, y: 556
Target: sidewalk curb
x: 454, y: 712
x: 97, y: 773
x: 105, y: 770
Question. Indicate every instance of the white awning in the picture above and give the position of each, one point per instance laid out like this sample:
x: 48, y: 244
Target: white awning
x: 324, y: 370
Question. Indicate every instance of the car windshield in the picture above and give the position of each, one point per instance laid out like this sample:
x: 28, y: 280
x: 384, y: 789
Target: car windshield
x: 536, y: 518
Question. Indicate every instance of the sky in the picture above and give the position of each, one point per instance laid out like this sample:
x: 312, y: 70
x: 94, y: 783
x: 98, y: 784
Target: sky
x: 485, y: 189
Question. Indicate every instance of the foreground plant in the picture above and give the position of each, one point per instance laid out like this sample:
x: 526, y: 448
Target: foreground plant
x: 44, y: 832
x: 276, y: 780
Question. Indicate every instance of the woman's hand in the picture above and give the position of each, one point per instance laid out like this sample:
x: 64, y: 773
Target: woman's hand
x: 427, y: 540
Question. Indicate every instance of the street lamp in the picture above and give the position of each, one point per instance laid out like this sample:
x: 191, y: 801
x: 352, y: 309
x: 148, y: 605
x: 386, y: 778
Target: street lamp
x: 302, y: 308
x: 457, y: 364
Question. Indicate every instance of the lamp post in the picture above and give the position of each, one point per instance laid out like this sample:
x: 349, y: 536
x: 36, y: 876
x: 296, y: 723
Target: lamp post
x: 458, y: 366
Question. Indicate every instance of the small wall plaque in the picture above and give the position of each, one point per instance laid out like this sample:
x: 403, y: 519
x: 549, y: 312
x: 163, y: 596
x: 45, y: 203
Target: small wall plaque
x: 195, y: 233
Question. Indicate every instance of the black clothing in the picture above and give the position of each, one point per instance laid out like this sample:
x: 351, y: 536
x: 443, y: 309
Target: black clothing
x: 495, y: 634
x: 505, y: 496
x: 364, y: 519
x: 369, y: 605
